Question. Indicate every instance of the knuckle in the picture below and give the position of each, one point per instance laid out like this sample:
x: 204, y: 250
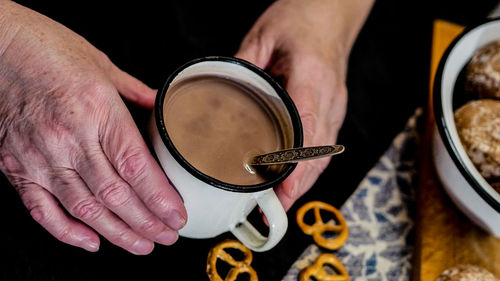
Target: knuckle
x: 254, y: 37
x: 115, y: 194
x: 103, y: 57
x: 133, y: 167
x: 60, y: 136
x: 37, y: 212
x: 77, y: 156
x: 87, y: 210
x: 63, y: 175
x: 159, y: 200
x: 22, y: 188
x: 9, y: 164
x: 309, y: 123
x: 33, y: 204
x: 64, y: 234
x: 123, y: 238
x: 94, y: 86
x: 95, y: 91
x: 149, y: 225
x: 104, y: 61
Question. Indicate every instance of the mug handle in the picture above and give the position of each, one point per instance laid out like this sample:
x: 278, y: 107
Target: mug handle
x: 276, y: 217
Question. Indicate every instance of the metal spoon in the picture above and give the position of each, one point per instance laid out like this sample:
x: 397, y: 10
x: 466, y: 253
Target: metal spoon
x: 295, y: 155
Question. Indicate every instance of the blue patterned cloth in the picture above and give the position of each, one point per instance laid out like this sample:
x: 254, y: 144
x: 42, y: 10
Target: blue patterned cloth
x: 380, y: 216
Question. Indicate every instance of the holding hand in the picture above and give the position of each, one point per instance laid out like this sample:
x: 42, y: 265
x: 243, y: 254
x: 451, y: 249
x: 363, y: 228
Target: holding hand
x: 68, y: 144
x: 307, y: 43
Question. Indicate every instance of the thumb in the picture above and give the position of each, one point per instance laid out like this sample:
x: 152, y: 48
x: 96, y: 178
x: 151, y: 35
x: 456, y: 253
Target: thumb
x: 256, y: 51
x: 132, y: 88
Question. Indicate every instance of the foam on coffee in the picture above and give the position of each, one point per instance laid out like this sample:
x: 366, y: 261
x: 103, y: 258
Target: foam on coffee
x: 216, y: 124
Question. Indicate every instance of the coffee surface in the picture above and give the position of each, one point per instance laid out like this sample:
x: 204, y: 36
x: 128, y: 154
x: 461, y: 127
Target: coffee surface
x: 216, y: 124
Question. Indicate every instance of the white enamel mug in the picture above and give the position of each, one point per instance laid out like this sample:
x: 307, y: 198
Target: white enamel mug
x: 214, y: 207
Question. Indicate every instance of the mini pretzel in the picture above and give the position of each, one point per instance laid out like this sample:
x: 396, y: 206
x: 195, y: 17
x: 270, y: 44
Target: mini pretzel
x: 319, y: 227
x: 317, y: 270
x: 238, y: 267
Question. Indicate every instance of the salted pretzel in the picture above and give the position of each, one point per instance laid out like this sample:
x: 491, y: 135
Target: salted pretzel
x: 317, y: 270
x: 318, y: 228
x: 237, y: 267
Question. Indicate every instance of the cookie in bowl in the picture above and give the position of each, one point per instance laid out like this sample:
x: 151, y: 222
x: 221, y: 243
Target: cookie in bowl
x: 483, y: 72
x: 478, y: 126
x: 466, y: 272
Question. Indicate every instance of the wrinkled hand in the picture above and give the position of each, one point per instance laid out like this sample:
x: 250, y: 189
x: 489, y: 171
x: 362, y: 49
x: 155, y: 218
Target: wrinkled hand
x: 307, y: 43
x: 68, y: 144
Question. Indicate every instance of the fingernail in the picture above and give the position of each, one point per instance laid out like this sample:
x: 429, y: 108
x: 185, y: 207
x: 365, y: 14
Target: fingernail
x: 167, y: 237
x: 142, y: 247
x: 175, y: 220
x: 91, y: 246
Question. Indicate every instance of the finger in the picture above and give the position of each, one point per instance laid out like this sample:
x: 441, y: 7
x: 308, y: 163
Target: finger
x: 44, y: 209
x: 301, y: 180
x: 132, y: 89
x: 133, y: 162
x: 117, y: 195
x: 75, y: 196
x: 256, y: 50
x: 322, y: 108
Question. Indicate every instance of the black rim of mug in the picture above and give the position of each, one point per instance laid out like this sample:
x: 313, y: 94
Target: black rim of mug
x: 294, y: 116
x: 443, y: 128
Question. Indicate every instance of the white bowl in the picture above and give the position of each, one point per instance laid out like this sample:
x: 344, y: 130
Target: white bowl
x: 461, y: 180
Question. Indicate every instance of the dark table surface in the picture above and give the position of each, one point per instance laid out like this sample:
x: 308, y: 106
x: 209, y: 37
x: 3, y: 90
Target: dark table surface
x: 387, y: 79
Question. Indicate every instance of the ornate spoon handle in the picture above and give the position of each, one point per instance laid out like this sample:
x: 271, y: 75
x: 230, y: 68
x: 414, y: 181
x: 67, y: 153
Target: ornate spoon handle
x: 297, y: 154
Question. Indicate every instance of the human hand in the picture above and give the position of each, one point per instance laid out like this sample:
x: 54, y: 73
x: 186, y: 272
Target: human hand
x: 307, y: 43
x: 68, y: 144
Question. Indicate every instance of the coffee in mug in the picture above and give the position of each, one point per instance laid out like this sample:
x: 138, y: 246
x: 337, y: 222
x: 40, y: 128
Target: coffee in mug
x: 217, y: 124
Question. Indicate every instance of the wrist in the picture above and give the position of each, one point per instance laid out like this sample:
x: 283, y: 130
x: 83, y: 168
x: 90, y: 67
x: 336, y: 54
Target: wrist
x: 336, y: 23
x: 346, y: 20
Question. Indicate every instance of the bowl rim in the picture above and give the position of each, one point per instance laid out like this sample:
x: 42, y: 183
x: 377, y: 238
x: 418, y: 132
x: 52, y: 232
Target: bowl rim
x: 443, y: 127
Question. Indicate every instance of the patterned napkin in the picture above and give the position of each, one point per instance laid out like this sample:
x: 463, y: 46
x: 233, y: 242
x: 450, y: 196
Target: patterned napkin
x: 380, y: 216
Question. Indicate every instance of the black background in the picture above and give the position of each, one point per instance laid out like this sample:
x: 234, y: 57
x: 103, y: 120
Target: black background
x: 387, y: 79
